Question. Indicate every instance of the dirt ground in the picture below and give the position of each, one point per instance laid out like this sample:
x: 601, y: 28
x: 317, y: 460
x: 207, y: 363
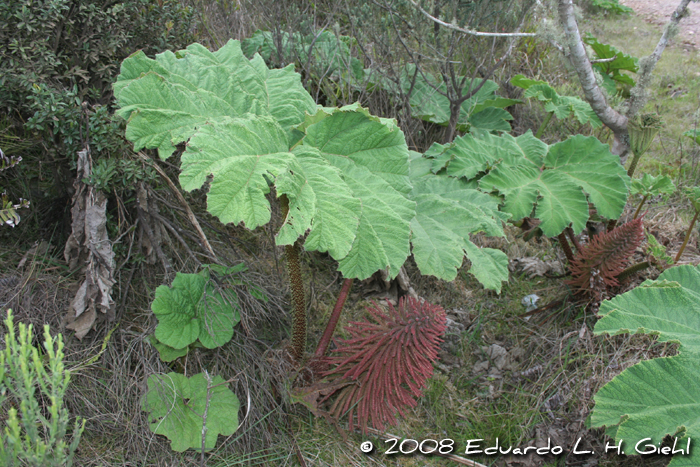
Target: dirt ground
x: 659, y: 12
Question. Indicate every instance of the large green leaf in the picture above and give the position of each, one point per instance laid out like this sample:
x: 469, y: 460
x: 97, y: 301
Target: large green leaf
x: 345, y: 175
x: 372, y: 157
x: 554, y: 180
x: 263, y: 43
x: 490, y: 119
x: 447, y: 212
x: 241, y: 153
x: 323, y: 54
x: 468, y: 156
x: 177, y: 405
x: 195, y: 307
x: 337, y: 215
x: 657, y: 397
x: 557, y: 189
x: 245, y: 154
x: 562, y: 106
x: 166, y: 99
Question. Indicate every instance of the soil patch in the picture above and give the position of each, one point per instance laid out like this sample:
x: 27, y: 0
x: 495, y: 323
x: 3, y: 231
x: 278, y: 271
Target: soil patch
x: 659, y: 12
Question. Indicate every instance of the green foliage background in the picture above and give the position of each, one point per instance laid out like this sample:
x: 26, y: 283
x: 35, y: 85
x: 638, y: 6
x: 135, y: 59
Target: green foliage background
x: 58, y: 59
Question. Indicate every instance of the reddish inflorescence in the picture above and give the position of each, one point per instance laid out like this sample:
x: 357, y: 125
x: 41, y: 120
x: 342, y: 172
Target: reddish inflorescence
x: 600, y: 262
x: 389, y: 360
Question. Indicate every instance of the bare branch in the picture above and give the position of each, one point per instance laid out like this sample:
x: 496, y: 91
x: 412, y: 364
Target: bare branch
x: 577, y: 53
x: 638, y: 94
x: 470, y: 31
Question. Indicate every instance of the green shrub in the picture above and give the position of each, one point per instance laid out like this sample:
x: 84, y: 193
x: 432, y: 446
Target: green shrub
x: 59, y: 58
x: 62, y: 43
x: 34, y: 435
x: 610, y: 6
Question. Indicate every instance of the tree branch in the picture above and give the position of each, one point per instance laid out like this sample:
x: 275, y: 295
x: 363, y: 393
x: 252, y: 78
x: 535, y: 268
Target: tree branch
x: 577, y: 53
x: 638, y: 95
x: 470, y: 31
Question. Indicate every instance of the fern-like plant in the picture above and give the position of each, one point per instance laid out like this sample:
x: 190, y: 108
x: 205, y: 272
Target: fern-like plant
x: 599, y: 263
x: 389, y: 360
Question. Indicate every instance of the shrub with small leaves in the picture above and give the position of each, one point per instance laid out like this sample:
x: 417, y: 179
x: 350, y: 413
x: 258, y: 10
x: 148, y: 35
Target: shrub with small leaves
x: 390, y: 359
x: 35, y: 435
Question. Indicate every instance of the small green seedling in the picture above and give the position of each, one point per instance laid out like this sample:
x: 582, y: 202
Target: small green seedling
x: 649, y: 186
x: 196, y: 308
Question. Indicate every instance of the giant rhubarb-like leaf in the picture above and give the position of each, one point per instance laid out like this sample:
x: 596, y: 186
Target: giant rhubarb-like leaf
x: 372, y: 156
x: 346, y: 176
x: 447, y: 212
x: 553, y: 180
x: 344, y: 172
x: 177, y: 407
x: 657, y: 397
x: 167, y: 98
x: 323, y: 53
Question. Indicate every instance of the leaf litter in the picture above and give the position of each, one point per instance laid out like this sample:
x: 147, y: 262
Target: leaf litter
x: 89, y: 249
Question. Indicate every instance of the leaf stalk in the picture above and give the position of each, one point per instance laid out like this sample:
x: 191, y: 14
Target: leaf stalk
x: 565, y: 246
x: 325, y: 341
x: 639, y: 208
x: 297, y: 285
x: 687, y: 237
x: 544, y: 124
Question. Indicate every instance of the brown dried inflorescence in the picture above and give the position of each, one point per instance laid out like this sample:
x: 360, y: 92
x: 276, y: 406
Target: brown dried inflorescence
x: 389, y: 361
x: 599, y: 263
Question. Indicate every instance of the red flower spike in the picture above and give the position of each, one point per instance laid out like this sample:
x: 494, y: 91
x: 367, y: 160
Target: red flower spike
x: 600, y: 262
x: 390, y: 360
